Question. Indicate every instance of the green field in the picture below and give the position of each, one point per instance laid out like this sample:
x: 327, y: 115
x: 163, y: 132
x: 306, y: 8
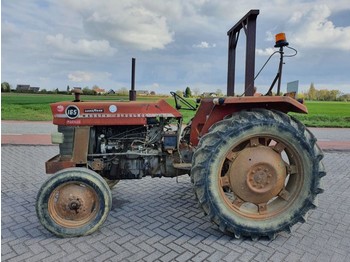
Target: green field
x: 326, y: 114
x: 36, y: 107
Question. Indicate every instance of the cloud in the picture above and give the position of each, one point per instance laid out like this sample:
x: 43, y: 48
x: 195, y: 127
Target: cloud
x: 313, y: 29
x: 155, y: 85
x: 124, y: 23
x: 79, y: 76
x: 204, y: 44
x: 8, y: 30
x: 265, y: 52
x: 82, y: 46
x: 83, y: 76
x: 81, y: 40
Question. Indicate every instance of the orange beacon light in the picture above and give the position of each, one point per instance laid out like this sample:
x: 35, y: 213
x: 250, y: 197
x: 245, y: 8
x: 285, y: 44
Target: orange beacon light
x: 281, y: 40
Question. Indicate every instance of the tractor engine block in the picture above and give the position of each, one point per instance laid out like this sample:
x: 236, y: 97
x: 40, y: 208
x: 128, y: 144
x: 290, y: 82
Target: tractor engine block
x: 127, y: 152
x: 131, y: 152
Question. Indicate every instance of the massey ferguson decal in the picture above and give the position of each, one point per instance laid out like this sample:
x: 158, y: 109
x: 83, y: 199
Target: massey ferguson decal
x: 72, y: 111
x: 60, y: 108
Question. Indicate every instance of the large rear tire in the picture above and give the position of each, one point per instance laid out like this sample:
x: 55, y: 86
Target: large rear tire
x: 257, y: 173
x: 73, y: 202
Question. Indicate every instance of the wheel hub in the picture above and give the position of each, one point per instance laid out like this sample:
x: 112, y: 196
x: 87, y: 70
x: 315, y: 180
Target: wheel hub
x: 257, y: 174
x: 261, y: 178
x: 73, y: 204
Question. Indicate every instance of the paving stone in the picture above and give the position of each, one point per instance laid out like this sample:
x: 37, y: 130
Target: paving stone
x: 169, y: 256
x: 216, y: 256
x: 158, y: 220
x: 137, y: 256
x: 277, y: 256
x: 8, y: 256
x: 200, y: 256
x: 39, y: 257
x: 231, y: 256
x: 21, y: 257
x: 89, y: 256
x: 154, y: 256
x: 246, y: 256
x: 178, y: 249
x: 185, y: 256
x: 105, y: 255
x: 262, y: 256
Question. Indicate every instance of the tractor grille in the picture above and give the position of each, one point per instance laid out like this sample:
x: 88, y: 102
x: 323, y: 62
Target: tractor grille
x: 66, y: 148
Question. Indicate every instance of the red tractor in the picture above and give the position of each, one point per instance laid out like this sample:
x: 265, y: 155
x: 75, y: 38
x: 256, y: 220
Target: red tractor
x: 255, y: 170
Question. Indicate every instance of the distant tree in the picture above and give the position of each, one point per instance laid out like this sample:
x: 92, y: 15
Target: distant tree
x: 179, y: 93
x: 43, y: 91
x: 123, y: 91
x: 219, y: 92
x: 196, y: 91
x: 301, y: 95
x: 344, y: 97
x: 5, y: 87
x: 88, y: 91
x: 68, y: 89
x: 312, y: 93
x: 152, y: 93
x: 96, y: 88
x: 322, y: 94
x: 188, y: 92
x: 334, y: 94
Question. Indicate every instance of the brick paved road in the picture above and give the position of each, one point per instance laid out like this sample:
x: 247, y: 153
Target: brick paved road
x: 158, y: 220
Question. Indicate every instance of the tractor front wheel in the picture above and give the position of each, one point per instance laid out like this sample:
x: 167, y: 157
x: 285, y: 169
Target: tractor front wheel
x: 73, y: 202
x: 257, y: 173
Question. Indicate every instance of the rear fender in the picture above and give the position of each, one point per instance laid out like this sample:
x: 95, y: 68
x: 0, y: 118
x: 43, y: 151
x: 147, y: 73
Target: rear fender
x: 212, y: 110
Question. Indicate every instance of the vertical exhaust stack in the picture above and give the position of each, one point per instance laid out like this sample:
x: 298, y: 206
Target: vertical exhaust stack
x: 132, y: 92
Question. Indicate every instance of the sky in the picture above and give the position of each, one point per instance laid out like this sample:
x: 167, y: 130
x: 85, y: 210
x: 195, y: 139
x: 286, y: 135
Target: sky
x: 176, y: 43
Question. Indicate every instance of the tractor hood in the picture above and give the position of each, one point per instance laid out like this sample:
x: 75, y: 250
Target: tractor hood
x: 110, y: 113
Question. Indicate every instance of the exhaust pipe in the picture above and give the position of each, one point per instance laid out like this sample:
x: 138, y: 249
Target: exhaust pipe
x: 132, y: 92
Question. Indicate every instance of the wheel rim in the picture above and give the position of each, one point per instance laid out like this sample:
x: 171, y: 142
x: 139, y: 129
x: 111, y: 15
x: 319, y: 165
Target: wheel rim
x: 260, y: 177
x: 73, y: 204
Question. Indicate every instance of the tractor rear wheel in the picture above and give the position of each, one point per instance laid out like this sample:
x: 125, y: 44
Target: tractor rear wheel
x: 257, y: 173
x: 73, y: 202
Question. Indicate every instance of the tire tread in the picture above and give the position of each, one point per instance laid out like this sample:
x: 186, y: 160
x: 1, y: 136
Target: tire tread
x: 210, y: 142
